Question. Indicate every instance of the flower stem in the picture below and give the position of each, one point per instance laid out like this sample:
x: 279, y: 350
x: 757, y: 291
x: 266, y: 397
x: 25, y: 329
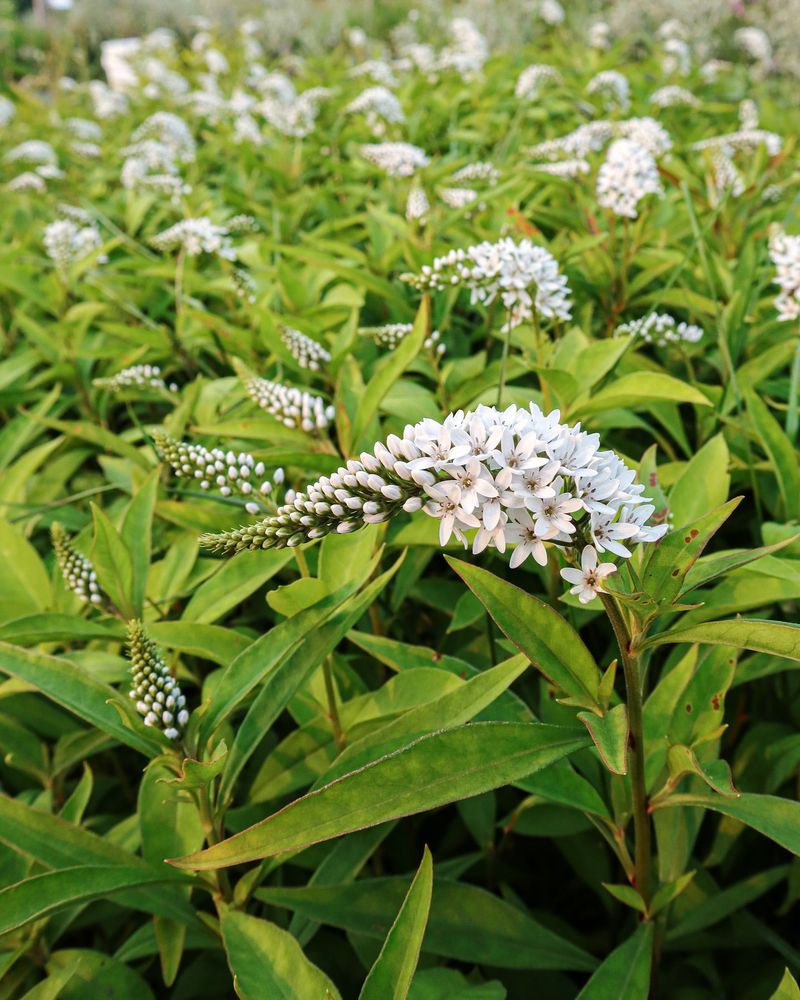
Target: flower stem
x: 633, y: 687
x: 503, y: 361
x: 333, y: 708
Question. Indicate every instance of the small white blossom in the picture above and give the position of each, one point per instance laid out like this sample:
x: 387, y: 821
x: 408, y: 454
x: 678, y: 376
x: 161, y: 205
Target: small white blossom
x: 613, y: 87
x: 532, y: 78
x: 628, y: 174
x: 398, y: 159
x: 660, y: 329
x: 673, y: 96
x: 293, y: 407
x: 784, y: 251
x: 589, y: 580
x: 78, y: 572
x: 305, y: 350
x: 135, y: 377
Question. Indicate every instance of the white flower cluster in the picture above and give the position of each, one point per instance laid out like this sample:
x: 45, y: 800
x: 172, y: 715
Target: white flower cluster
x: 7, y: 111
x: 377, y: 70
x: 599, y: 35
x: 379, y: 106
x: 673, y: 96
x: 784, y: 251
x: 660, y: 329
x: 518, y: 477
x: 292, y: 114
x: 171, y: 131
x: 32, y: 151
x: 647, y: 133
x: 27, y: 181
x: 711, y: 70
x: 748, y: 115
x: 677, y: 57
x: 155, y: 692
x: 726, y: 177
x: 479, y: 172
x: 467, y: 51
x: 628, y: 174
x: 613, y: 87
x: 107, y: 103
x: 459, y: 197
x: 524, y: 276
x: 293, y: 407
x: 417, y: 205
x: 160, y: 145
x: 70, y: 239
x: 136, y: 377
x: 196, y: 236
x: 532, y: 78
x: 398, y: 159
x: 230, y: 473
x: 390, y: 334
x: 551, y: 12
x: 743, y: 139
x: 76, y: 569
x: 587, y: 138
x: 84, y: 128
x: 305, y: 350
x: 564, y: 168
x: 755, y: 42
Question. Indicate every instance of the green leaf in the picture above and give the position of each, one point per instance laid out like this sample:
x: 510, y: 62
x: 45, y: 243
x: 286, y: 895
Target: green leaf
x: 721, y: 903
x: 780, y: 451
x: 719, y: 563
x: 255, y: 662
x: 268, y: 962
x: 665, y: 894
x: 67, y: 684
x: 466, y: 923
x: 42, y: 895
x: 394, y: 366
x: 682, y: 760
x: 638, y: 390
x: 675, y: 554
x: 112, y: 562
x: 778, y: 638
x: 550, y: 642
x: 703, y: 484
x: 24, y: 584
x: 776, y: 818
x: 53, y: 627
x: 430, y: 772
x: 787, y: 988
x: 137, y: 529
x: 235, y: 580
x: 626, y: 894
x: 390, y: 977
x: 609, y: 734
x: 626, y: 971
x: 211, y: 642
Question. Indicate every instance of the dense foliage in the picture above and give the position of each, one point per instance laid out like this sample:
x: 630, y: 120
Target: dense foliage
x: 282, y: 338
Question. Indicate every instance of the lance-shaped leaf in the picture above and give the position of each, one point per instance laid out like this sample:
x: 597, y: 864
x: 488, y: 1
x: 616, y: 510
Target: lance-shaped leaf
x: 609, y: 734
x: 672, y: 558
x: 50, y: 892
x: 716, y: 774
x: 267, y: 961
x: 113, y: 564
x: 390, y: 977
x: 255, y: 662
x: 776, y: 818
x: 74, y: 688
x: 781, y: 452
x: 719, y: 563
x: 539, y: 631
x: 466, y: 923
x: 432, y: 771
x: 637, y: 390
x: 136, y: 536
x: 778, y: 638
x: 626, y: 971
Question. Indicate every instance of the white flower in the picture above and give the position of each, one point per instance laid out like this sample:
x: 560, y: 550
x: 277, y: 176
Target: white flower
x: 564, y: 168
x: 7, y: 110
x: 78, y: 572
x: 154, y: 691
x: 417, y: 205
x: 524, y: 276
x: 306, y: 351
x: 467, y: 51
x: 531, y: 79
x: 375, y: 103
x: 293, y: 407
x: 68, y: 241
x: 784, y: 251
x: 628, y: 174
x: 398, y: 159
x: 33, y: 151
x: 599, y: 36
x: 673, y: 96
x: 613, y: 87
x: 660, y: 329
x: 755, y: 43
x: 516, y: 477
x: 196, y: 236
x: 136, y: 377
x: 588, y: 580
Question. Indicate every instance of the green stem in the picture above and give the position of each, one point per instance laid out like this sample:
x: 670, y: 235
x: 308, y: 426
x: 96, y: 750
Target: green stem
x: 503, y: 361
x: 633, y: 687
x: 794, y: 391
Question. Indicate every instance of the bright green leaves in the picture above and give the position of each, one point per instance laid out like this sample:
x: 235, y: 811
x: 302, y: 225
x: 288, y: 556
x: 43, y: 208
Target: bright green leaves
x: 537, y: 630
x: 113, y: 564
x: 777, y: 638
x: 430, y: 772
x: 781, y: 453
x: 609, y: 734
x: 638, y: 390
x: 267, y: 961
x: 674, y: 556
x: 390, y: 977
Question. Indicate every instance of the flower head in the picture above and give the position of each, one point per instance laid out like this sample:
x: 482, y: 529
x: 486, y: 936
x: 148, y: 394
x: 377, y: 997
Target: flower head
x: 628, y: 174
x: 77, y: 570
x: 155, y: 692
x: 588, y: 581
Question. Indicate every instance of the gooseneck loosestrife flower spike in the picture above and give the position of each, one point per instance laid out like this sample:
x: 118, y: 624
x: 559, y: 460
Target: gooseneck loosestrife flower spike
x: 78, y: 572
x: 231, y: 474
x: 293, y: 407
x: 305, y: 350
x: 514, y: 476
x: 525, y: 277
x: 154, y: 691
